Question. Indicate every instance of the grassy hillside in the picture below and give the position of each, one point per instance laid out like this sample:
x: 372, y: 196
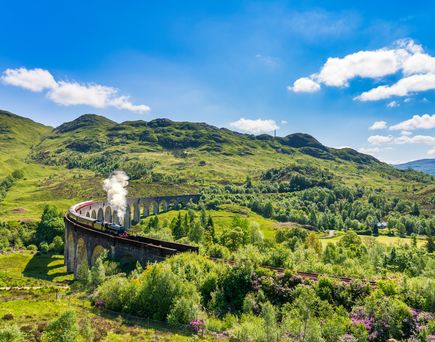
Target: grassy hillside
x: 17, y: 136
x: 68, y: 163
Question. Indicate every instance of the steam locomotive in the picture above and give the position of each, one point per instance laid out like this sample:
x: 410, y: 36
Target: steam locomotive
x: 74, y: 215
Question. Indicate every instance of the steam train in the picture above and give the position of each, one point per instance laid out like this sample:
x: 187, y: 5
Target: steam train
x: 75, y: 215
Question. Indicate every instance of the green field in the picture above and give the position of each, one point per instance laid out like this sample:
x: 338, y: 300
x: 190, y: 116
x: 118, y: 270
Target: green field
x: 38, y: 299
x: 386, y: 240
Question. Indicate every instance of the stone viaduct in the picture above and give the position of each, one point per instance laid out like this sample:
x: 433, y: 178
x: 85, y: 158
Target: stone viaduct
x: 84, y: 243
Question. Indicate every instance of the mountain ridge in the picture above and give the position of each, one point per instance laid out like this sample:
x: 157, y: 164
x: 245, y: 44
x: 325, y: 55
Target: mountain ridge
x: 426, y: 165
x: 175, y: 135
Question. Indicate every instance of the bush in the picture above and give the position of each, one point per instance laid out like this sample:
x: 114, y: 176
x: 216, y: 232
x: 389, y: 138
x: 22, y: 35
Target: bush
x: 63, y: 329
x: 184, y: 309
x: 251, y: 329
x: 44, y: 247
x: 11, y: 334
x: 32, y: 248
x: 117, y: 294
x: 57, y: 245
x: 160, y: 286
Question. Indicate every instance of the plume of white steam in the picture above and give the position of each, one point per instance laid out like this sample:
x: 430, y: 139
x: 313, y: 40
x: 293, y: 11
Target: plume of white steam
x: 115, y: 186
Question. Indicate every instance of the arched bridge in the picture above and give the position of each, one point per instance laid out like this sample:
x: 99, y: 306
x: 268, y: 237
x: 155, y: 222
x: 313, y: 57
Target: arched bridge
x: 86, y: 238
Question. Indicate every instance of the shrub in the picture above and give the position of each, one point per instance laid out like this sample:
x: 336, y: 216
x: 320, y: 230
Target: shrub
x: 32, y: 248
x: 43, y: 247
x: 184, y: 309
x: 251, y: 329
x: 63, y: 329
x: 160, y: 286
x: 116, y: 293
x: 11, y: 334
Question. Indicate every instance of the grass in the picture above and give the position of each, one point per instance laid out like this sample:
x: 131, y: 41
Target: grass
x: 29, y: 269
x: 34, y: 308
x: 223, y: 218
x: 386, y: 240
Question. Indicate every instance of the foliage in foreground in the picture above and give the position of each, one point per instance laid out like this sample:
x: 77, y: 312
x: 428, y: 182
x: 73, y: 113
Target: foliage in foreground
x: 255, y: 304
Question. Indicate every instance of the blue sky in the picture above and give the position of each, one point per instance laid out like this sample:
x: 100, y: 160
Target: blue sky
x: 223, y: 61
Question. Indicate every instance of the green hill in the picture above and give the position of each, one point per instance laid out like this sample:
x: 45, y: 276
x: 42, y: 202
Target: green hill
x: 422, y: 165
x: 17, y: 136
x: 68, y: 163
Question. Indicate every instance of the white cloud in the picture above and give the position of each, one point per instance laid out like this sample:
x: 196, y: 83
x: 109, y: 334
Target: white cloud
x: 393, y: 104
x: 378, y: 125
x: 336, y: 72
x: 417, y: 139
x: 424, y: 121
x: 370, y: 150
x: 403, y: 87
x: 254, y: 126
x: 419, y: 63
x: 283, y: 122
x: 304, y: 85
x: 405, y: 133
x: 405, y: 56
x: 379, y: 139
x: 431, y: 152
x: 34, y: 80
x: 70, y: 93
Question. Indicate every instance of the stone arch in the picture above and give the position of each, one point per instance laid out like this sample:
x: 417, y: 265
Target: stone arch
x: 173, y: 204
x: 136, y: 213
x: 163, y: 206
x: 127, y: 217
x: 146, y: 209
x: 70, y: 250
x: 153, y: 208
x: 94, y: 214
x: 98, y: 250
x: 127, y: 263
x: 100, y: 215
x: 108, y: 214
x: 81, y: 255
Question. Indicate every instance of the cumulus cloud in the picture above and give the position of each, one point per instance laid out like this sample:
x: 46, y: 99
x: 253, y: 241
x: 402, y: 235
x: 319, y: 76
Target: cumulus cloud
x: 424, y: 121
x: 379, y: 139
x: 405, y: 56
x: 378, y: 125
x: 416, y: 139
x: 304, y: 85
x: 404, y: 87
x: 68, y: 93
x: 254, y: 126
x: 393, y: 104
x: 431, y: 152
x: 34, y: 80
x: 405, y: 133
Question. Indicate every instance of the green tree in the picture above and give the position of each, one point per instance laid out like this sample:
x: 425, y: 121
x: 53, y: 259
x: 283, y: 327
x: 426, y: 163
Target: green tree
x: 98, y: 272
x: 83, y: 275
x: 196, y: 232
x: 312, y: 241
x: 51, y: 224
